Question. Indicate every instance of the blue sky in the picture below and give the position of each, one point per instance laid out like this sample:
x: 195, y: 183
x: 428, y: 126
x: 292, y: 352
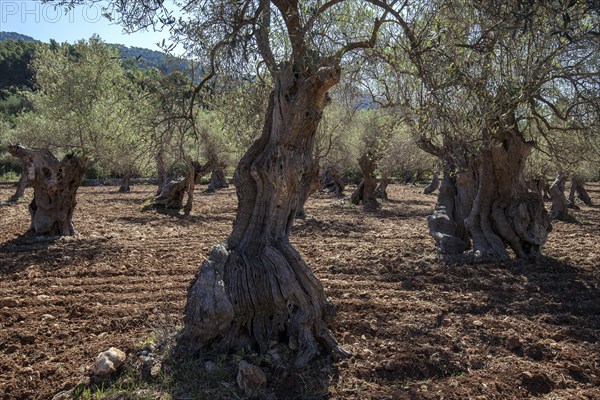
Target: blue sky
x: 45, y: 21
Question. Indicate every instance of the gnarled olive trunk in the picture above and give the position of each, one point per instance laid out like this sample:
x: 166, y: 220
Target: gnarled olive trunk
x: 454, y: 203
x: 124, y: 186
x: 217, y: 178
x: 559, y: 208
x: 489, y: 195
x: 365, y: 191
x: 434, y: 184
x: 172, y: 193
x: 55, y: 185
x: 505, y: 211
x: 578, y: 190
x: 21, y: 185
x: 256, y: 285
x: 381, y: 190
x: 333, y: 182
x: 311, y: 186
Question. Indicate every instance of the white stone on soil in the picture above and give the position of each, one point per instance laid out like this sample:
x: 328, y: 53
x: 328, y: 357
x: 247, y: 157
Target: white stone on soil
x: 109, y: 361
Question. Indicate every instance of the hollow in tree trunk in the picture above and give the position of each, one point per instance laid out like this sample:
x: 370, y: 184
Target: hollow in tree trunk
x: 55, y: 185
x: 172, y: 193
x: 578, y: 190
x: 381, y: 190
x: 365, y: 191
x: 217, y: 178
x: 21, y: 185
x: 559, y: 208
x: 256, y: 285
x: 434, y: 184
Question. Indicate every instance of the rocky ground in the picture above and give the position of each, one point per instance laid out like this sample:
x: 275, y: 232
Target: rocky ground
x: 417, y: 328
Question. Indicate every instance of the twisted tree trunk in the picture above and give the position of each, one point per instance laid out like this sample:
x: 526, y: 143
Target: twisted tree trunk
x: 124, y: 187
x: 256, y: 284
x: 434, y: 184
x: 490, y: 195
x: 55, y: 185
x: 217, y: 178
x: 310, y: 186
x: 333, y: 182
x: 21, y: 185
x: 578, y: 189
x: 504, y: 210
x: 172, y: 193
x: 559, y: 208
x: 455, y: 200
x: 365, y: 191
x: 381, y: 190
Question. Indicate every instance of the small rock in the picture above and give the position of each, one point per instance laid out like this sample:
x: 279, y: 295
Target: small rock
x: 477, y: 323
x: 210, y: 366
x: 103, y: 334
x: 43, y: 297
x: 250, y: 378
x: 155, y: 370
x: 8, y: 302
x: 108, y: 361
x: 48, y: 316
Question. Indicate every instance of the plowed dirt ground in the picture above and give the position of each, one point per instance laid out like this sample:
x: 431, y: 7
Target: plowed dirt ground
x: 417, y: 328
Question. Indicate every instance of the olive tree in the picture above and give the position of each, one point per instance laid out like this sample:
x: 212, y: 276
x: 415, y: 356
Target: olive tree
x: 256, y: 284
x: 480, y: 82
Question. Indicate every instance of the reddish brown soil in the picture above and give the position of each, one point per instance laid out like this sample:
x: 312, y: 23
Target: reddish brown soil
x: 417, y: 327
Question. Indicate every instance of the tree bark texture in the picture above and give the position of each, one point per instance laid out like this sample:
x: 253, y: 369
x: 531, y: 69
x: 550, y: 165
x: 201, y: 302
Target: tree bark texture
x: 55, y: 185
x: 217, y: 178
x: 504, y: 211
x: 333, y: 182
x: 365, y: 192
x: 21, y: 185
x: 172, y: 193
x: 124, y: 186
x: 434, y: 184
x: 256, y: 285
x: 310, y: 186
x: 455, y: 200
x: 381, y: 190
x: 559, y: 208
x: 578, y: 191
x: 486, y: 205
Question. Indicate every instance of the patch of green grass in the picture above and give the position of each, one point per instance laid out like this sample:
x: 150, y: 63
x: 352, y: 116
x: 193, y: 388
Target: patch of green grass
x: 10, y: 176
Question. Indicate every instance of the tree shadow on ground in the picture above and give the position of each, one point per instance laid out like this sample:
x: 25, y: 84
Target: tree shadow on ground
x: 191, y: 379
x: 548, y: 290
x: 196, y: 375
x: 174, y: 215
x: 51, y: 252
